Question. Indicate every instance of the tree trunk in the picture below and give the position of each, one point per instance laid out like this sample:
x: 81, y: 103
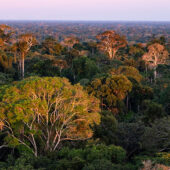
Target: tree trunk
x: 19, y: 69
x: 114, y: 53
x: 138, y: 108
x: 92, y: 51
x: 127, y: 102
x: 15, y: 58
x: 146, y: 70
x: 22, y: 66
x: 155, y: 74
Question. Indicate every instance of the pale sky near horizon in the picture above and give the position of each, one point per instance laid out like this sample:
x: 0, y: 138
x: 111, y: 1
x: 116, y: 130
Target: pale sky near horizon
x: 131, y: 10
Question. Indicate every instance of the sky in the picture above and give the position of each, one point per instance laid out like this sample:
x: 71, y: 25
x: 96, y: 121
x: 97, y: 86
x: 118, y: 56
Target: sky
x: 131, y: 10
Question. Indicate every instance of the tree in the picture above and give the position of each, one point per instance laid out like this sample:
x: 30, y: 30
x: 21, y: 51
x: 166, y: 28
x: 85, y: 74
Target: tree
x: 51, y: 46
x: 70, y: 41
x: 5, y: 62
x: 152, y: 111
x: 89, y: 155
x: 5, y: 35
x: 84, y: 67
x: 161, y: 40
x: 71, y: 55
x: 138, y: 94
x: 107, y: 129
x: 110, y: 90
x: 129, y: 135
x: 26, y: 41
x: 157, y: 136
x: 131, y: 62
x: 157, y: 54
x: 61, y: 64
x: 110, y: 42
x: 136, y: 51
x: 44, y: 67
x: 128, y: 71
x: 91, y: 46
x: 14, y: 49
x: 40, y: 113
x: 164, y: 99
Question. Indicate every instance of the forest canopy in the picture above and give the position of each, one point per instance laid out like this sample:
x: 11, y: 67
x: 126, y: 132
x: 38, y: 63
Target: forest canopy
x: 84, y: 102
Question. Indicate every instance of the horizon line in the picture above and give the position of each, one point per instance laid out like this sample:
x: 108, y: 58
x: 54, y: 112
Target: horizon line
x: 64, y: 20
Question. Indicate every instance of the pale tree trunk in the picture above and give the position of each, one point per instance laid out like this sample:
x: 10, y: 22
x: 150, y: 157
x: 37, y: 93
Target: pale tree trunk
x: 60, y: 71
x: 110, y: 53
x: 155, y: 74
x: 151, y: 80
x: 22, y: 65
x: 113, y: 53
x: 19, y: 68
x: 34, y: 145
x: 155, y: 67
x: 92, y: 51
x: 74, y: 77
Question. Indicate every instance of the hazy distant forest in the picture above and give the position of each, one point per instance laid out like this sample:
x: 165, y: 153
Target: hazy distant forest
x: 84, y: 95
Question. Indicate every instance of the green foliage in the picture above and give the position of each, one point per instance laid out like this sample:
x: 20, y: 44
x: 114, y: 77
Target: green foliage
x: 107, y: 128
x: 5, y: 62
x: 43, y: 67
x: 37, y: 109
x: 96, y: 157
x: 51, y: 46
x: 41, y: 116
x: 5, y: 78
x: 129, y: 136
x: 165, y: 99
x: 88, y: 157
x: 138, y: 94
x: 110, y: 90
x: 84, y: 82
x: 157, y: 136
x: 99, y: 164
x: 71, y: 55
x: 84, y: 68
x: 152, y: 111
x: 136, y: 51
x: 130, y: 72
x: 23, y: 162
x: 156, y: 158
x: 112, y: 153
x: 163, y: 158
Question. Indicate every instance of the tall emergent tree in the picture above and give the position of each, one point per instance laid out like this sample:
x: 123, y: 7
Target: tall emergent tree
x: 40, y: 113
x: 157, y: 54
x: 26, y: 41
x: 110, y: 42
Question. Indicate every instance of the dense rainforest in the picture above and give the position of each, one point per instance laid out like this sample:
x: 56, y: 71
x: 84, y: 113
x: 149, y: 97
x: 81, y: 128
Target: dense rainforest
x: 70, y: 103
